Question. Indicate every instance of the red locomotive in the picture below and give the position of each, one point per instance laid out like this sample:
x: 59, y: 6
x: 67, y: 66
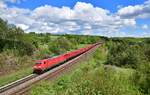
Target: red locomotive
x: 45, y: 64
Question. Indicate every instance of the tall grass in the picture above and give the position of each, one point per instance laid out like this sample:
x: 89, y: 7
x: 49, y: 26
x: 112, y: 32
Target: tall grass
x: 135, y: 55
x: 13, y: 67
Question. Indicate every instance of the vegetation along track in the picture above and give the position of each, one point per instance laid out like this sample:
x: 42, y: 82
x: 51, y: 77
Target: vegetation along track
x: 21, y: 86
x: 15, y: 83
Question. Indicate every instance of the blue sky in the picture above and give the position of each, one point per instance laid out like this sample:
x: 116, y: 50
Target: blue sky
x: 106, y: 4
x: 92, y: 17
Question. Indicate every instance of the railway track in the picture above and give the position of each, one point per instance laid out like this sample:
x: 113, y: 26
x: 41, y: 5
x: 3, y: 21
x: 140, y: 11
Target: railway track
x: 22, y: 85
x: 15, y: 83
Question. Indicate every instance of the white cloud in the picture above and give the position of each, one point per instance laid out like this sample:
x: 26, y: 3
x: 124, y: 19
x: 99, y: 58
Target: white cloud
x: 87, y: 12
x: 145, y: 27
x: 129, y: 22
x: 137, y: 11
x: 50, y: 12
x: 84, y: 18
x: 23, y: 26
x: 2, y: 4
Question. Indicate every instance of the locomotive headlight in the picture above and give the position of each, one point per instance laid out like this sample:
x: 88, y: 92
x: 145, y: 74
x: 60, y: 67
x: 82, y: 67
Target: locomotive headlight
x: 39, y: 66
x: 34, y: 67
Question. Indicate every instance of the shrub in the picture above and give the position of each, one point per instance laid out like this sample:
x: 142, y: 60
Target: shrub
x: 124, y: 54
x: 134, y: 55
x: 141, y: 78
x: 60, y: 45
x: 9, y: 61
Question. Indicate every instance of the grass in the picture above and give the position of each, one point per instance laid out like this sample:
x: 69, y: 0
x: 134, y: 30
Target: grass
x: 14, y: 67
x: 88, y: 80
x: 5, y: 79
x: 91, y: 78
x: 82, y: 45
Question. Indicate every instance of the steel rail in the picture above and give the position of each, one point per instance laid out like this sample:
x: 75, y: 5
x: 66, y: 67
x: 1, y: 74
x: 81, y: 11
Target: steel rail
x: 17, y: 82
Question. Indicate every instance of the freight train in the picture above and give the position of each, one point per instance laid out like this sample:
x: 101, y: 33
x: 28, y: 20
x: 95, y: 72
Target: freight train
x: 46, y: 64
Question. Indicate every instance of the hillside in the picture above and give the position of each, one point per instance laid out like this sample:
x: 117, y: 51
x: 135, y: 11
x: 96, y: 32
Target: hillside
x: 117, y: 68
x: 121, y: 66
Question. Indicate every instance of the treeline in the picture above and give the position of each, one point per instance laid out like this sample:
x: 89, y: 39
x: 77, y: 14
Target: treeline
x: 84, y: 39
x: 51, y: 45
x: 12, y: 37
x: 22, y: 47
x: 135, y: 55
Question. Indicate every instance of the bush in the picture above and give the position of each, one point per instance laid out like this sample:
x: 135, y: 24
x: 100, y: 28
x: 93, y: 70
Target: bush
x: 89, y: 81
x: 42, y: 52
x: 123, y: 54
x: 60, y: 45
x: 9, y: 61
x: 141, y: 78
x: 134, y: 55
x: 23, y: 48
